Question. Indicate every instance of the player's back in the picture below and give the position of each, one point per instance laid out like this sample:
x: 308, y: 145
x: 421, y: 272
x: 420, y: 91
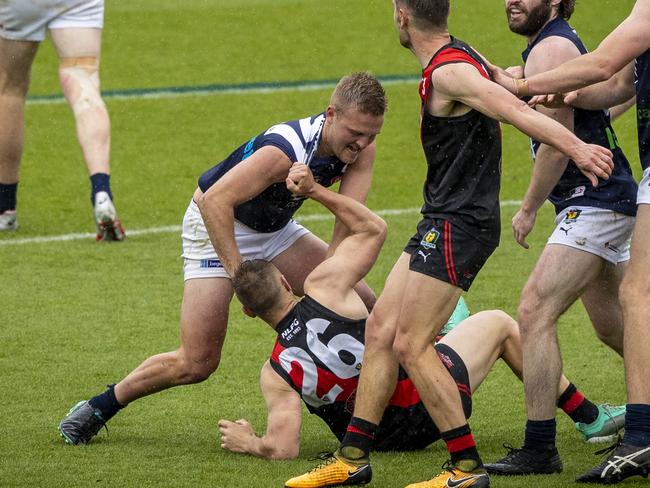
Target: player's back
x: 463, y: 156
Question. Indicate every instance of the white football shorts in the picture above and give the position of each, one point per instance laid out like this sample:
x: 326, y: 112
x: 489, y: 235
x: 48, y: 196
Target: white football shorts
x: 644, y: 189
x: 28, y: 20
x: 200, y: 257
x: 598, y: 231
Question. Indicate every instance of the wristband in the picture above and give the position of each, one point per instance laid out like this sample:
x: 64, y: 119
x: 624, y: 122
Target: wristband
x: 521, y: 87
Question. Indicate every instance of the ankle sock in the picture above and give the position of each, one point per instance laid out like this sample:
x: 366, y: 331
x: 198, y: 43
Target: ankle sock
x: 462, y: 449
x: 100, y: 182
x: 577, y: 406
x: 637, y: 424
x: 358, y: 439
x: 8, y: 196
x: 106, y: 403
x: 540, y: 435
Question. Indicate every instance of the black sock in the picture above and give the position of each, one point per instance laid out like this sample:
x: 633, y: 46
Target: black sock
x: 540, y: 434
x: 106, y: 403
x: 8, y: 196
x: 576, y: 406
x: 358, y: 439
x: 462, y: 449
x: 637, y: 424
x: 100, y: 182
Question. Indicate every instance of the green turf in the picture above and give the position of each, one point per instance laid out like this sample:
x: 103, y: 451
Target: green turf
x: 77, y: 315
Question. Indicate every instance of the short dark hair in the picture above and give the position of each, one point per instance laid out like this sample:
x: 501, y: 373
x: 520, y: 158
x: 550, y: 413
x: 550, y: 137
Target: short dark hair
x: 428, y: 13
x: 256, y: 285
x: 362, y: 91
x: 566, y: 8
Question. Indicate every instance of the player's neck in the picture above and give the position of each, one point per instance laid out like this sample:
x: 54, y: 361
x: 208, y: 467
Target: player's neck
x: 276, y: 316
x: 324, y: 148
x: 424, y: 46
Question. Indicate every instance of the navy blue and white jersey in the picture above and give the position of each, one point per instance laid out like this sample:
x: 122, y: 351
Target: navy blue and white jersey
x: 642, y: 84
x: 274, y: 207
x: 319, y: 354
x: 618, y: 193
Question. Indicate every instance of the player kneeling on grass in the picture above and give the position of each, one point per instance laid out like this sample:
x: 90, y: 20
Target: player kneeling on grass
x: 320, y: 345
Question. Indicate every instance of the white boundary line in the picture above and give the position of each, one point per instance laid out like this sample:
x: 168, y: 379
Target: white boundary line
x: 177, y: 228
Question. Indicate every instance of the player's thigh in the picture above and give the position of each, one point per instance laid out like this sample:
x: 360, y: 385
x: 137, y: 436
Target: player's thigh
x: 16, y: 59
x: 637, y: 276
x: 479, y: 341
x: 560, y: 276
x: 426, y: 305
x: 382, y: 323
x: 77, y: 42
x: 600, y: 298
x: 300, y: 259
x: 204, y: 317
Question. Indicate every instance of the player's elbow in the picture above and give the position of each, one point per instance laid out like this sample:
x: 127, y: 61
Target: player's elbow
x: 211, y: 202
x: 603, y: 69
x: 378, y: 228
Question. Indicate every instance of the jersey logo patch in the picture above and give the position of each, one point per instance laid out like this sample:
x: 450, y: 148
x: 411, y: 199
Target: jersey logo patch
x: 572, y: 215
x: 430, y: 238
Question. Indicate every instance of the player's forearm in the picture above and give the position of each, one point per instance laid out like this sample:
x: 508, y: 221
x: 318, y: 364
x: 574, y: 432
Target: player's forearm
x: 544, y: 129
x: 549, y: 167
x: 573, y: 75
x: 269, y: 448
x: 605, y: 95
x: 220, y: 223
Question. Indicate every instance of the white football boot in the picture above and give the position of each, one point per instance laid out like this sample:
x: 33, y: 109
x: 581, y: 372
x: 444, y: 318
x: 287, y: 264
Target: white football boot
x: 109, y: 227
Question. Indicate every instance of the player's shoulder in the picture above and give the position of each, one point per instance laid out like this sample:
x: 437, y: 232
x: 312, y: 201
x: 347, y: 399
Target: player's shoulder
x: 550, y: 52
x: 295, y: 136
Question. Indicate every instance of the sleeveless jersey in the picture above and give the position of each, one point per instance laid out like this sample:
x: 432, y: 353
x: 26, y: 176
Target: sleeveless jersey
x: 463, y: 157
x: 642, y: 83
x: 618, y: 193
x: 274, y: 207
x: 319, y: 354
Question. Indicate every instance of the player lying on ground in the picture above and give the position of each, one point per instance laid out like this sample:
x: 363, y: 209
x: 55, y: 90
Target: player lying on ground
x: 319, y: 351
x: 469, y: 351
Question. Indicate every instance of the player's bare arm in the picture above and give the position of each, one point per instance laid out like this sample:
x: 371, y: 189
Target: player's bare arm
x: 248, y: 179
x: 331, y: 282
x: 550, y: 163
x: 463, y: 83
x: 619, y: 89
x: 628, y: 41
x: 282, y: 437
x: 355, y: 184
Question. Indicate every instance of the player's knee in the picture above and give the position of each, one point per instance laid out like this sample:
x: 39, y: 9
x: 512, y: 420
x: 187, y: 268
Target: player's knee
x: 404, y: 351
x: 634, y: 291
x: 378, y: 335
x: 80, y: 83
x: 196, y: 370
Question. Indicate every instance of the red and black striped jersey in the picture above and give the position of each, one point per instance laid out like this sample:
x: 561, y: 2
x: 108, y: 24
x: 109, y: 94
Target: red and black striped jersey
x: 319, y: 354
x: 463, y: 156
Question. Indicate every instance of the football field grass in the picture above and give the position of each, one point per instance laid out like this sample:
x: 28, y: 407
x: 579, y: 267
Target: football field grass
x: 195, y: 79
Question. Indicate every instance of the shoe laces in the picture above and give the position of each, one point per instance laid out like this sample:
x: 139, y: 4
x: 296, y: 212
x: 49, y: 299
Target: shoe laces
x: 449, y: 466
x: 325, y: 456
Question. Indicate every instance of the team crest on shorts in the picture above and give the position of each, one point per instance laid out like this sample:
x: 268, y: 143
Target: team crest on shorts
x: 572, y: 216
x: 430, y: 238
